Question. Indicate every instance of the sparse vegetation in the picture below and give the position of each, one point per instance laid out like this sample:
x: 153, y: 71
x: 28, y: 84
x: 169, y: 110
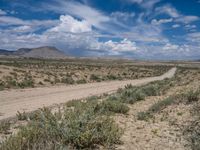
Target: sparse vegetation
x: 72, y: 128
x: 132, y: 94
x: 80, y: 124
x: 90, y: 123
x: 21, y: 115
x: 155, y: 108
x: 82, y: 81
x: 192, y: 130
x: 113, y: 106
x: 193, y: 96
x: 4, y: 127
x: 23, y: 73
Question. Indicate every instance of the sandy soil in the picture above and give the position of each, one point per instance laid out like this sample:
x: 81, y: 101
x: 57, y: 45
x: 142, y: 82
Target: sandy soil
x: 161, y: 133
x: 31, y: 99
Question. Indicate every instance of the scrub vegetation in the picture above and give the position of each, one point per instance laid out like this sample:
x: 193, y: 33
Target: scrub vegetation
x: 111, y: 121
x: 25, y: 73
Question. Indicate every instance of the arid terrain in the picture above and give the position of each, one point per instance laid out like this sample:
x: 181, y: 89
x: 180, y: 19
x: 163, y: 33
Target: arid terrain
x: 146, y: 106
x: 100, y: 75
x: 31, y: 99
x: 26, y: 73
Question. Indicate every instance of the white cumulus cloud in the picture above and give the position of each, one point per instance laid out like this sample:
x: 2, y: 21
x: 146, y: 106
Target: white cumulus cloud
x: 124, y: 45
x: 70, y: 24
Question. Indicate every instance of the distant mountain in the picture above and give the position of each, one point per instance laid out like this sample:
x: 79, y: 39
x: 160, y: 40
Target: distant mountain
x: 40, y: 52
x: 22, y: 51
x: 5, y: 52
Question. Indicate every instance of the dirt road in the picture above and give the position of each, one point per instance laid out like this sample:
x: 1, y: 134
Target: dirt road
x: 31, y: 99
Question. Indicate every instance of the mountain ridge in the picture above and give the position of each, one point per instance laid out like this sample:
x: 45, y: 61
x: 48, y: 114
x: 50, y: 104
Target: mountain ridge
x: 47, y: 52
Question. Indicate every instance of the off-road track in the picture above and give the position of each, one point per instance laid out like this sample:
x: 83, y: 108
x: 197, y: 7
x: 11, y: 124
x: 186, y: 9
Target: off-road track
x: 28, y: 100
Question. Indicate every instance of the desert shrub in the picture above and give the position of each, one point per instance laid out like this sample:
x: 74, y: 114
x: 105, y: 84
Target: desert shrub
x: 150, y: 90
x: 74, y: 129
x: 29, y: 82
x: 68, y: 80
x: 56, y: 80
x: 40, y: 83
x: 95, y: 78
x: 89, y: 103
x: 2, y: 85
x: 21, y: 115
x: 4, y: 127
x: 193, y: 96
x: 47, y: 80
x: 113, y: 106
x: 129, y: 86
x: 112, y: 77
x: 144, y: 116
x: 82, y: 81
x: 73, y: 103
x: 139, y: 95
x: 131, y: 96
x: 10, y: 82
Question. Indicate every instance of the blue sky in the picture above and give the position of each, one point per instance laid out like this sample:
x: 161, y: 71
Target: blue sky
x: 138, y: 29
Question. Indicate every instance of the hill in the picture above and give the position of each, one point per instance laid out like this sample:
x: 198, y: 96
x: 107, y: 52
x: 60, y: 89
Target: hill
x: 46, y: 52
